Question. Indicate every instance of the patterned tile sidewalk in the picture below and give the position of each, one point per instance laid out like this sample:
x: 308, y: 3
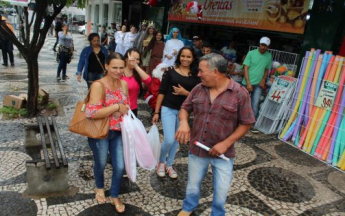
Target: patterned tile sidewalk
x: 270, y: 177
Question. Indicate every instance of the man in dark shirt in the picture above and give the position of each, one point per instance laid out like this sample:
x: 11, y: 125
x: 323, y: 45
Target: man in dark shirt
x: 197, y: 45
x: 223, y: 115
x: 58, y: 28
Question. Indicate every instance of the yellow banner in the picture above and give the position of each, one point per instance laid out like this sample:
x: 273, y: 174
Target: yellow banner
x: 275, y: 15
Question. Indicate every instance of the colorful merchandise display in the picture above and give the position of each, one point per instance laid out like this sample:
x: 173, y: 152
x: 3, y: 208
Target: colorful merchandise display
x: 317, y: 119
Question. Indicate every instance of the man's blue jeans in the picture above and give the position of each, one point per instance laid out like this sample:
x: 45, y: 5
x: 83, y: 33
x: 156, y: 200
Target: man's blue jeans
x: 255, y: 98
x: 170, y: 123
x: 222, y: 176
x: 100, y: 149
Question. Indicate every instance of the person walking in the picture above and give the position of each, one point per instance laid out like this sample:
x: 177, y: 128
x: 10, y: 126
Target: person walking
x: 64, y: 53
x: 92, y: 60
x: 222, y: 115
x: 143, y: 44
x: 58, y: 28
x: 141, y: 34
x: 176, y: 84
x: 119, y: 36
x: 104, y: 36
x: 6, y: 45
x: 111, y: 38
x: 130, y: 38
x: 173, y: 44
x: 155, y: 49
x: 257, y: 64
x: 134, y: 75
x: 115, y: 106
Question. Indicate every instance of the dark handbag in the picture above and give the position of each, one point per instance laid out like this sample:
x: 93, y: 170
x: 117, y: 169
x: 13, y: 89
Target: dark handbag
x: 93, y: 128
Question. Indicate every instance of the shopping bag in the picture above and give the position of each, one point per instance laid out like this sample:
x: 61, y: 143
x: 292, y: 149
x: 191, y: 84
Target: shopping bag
x: 128, y: 148
x: 143, y: 152
x: 153, y: 136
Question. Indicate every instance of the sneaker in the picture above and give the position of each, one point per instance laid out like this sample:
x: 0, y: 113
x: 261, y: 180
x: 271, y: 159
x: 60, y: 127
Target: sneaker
x: 254, y: 131
x: 58, y: 78
x: 65, y: 77
x: 171, y: 172
x: 5, y: 65
x: 54, y: 50
x: 160, y: 170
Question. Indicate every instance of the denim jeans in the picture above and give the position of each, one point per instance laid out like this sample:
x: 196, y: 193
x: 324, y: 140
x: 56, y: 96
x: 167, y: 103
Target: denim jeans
x: 93, y: 76
x: 62, y: 64
x: 170, y: 123
x: 255, y: 98
x: 100, y: 149
x: 222, y: 171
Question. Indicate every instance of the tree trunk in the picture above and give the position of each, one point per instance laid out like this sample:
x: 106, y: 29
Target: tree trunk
x: 32, y: 105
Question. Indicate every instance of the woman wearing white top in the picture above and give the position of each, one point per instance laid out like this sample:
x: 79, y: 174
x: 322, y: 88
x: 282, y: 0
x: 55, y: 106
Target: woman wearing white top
x: 130, y: 37
x: 119, y: 37
x: 173, y: 44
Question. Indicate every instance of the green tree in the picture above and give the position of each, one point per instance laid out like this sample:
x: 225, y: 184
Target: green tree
x: 34, y: 41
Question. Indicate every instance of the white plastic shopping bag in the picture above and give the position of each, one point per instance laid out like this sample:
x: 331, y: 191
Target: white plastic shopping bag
x: 153, y: 136
x: 142, y: 148
x: 128, y: 147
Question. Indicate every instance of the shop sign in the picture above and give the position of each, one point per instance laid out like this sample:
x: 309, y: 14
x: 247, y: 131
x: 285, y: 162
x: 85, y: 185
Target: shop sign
x: 277, y: 92
x: 326, y: 96
x: 275, y: 15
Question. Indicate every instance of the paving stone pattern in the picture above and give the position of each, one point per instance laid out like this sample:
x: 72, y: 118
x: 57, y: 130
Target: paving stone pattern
x: 270, y: 177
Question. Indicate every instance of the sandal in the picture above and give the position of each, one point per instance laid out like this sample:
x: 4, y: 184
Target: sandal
x: 100, y: 197
x: 120, y: 208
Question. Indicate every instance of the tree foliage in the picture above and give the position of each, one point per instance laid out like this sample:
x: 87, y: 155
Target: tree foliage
x: 33, y: 37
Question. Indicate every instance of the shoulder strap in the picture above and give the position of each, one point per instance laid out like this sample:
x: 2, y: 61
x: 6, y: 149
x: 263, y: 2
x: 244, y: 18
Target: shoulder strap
x: 87, y: 98
x: 99, y: 60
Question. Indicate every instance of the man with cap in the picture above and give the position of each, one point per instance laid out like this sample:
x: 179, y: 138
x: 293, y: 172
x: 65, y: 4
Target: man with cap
x: 6, y: 44
x: 256, y: 66
x: 197, y: 42
x: 111, y: 38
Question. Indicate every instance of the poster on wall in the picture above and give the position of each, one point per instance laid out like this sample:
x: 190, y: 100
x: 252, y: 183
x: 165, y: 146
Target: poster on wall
x: 275, y: 15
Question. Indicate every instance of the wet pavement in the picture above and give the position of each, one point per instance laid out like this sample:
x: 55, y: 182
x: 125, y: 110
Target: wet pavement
x: 270, y: 177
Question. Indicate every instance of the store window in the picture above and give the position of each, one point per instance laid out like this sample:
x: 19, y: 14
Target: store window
x: 117, y: 13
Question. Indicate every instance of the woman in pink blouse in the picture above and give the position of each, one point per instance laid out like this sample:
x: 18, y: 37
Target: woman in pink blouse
x: 134, y: 75
x: 114, y: 106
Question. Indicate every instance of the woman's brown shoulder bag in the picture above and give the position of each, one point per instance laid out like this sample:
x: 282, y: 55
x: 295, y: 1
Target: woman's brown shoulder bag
x: 93, y: 128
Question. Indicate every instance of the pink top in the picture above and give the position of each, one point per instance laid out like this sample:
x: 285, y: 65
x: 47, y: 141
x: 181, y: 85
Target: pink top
x: 111, y: 97
x: 133, y: 89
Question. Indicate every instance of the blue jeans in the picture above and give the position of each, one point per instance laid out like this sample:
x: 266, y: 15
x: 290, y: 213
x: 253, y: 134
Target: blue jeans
x: 170, y: 123
x: 255, y: 98
x: 93, y: 76
x: 222, y: 176
x: 100, y: 149
x: 62, y: 64
x: 56, y: 43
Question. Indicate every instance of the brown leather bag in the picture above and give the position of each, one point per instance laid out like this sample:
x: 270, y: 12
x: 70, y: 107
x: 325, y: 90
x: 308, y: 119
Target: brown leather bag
x: 93, y: 128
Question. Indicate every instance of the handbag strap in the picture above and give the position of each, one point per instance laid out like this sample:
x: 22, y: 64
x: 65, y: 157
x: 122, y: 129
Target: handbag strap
x: 99, y: 61
x: 87, y: 98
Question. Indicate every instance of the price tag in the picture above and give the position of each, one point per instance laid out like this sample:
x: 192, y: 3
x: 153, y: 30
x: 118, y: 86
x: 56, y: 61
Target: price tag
x: 278, y: 91
x: 327, y: 94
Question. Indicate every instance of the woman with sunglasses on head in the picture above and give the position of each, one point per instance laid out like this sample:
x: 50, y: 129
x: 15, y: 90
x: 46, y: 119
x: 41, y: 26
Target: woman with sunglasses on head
x: 173, y: 44
x: 115, y: 106
x: 92, y: 60
x: 134, y: 75
x: 176, y: 84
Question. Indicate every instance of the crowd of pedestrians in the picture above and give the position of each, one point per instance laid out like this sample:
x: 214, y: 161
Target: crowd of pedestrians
x: 221, y: 88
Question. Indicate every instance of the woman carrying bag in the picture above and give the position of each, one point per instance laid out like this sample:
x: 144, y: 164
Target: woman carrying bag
x: 64, y: 53
x: 92, y: 60
x: 116, y: 104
